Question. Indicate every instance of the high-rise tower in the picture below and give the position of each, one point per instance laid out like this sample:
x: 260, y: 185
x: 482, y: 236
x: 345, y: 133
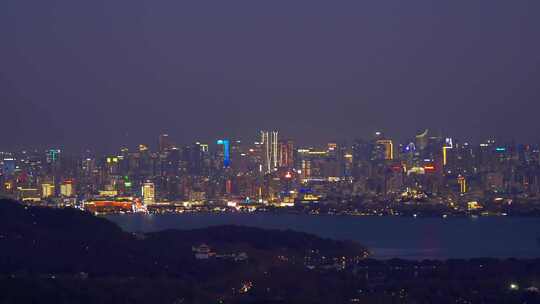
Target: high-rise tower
x: 388, y: 148
x: 286, y: 154
x: 269, y: 141
x: 226, y: 152
x: 164, y: 143
x: 148, y: 192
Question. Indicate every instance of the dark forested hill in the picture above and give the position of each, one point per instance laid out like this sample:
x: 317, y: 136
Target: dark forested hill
x: 38, y: 239
x: 71, y: 246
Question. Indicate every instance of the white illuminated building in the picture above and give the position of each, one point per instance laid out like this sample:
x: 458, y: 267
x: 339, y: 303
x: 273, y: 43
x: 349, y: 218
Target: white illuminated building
x: 269, y: 141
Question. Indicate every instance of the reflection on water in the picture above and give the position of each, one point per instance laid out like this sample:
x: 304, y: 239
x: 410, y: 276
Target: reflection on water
x: 386, y: 237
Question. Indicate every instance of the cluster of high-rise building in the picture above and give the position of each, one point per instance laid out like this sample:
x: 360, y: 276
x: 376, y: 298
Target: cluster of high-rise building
x: 273, y: 170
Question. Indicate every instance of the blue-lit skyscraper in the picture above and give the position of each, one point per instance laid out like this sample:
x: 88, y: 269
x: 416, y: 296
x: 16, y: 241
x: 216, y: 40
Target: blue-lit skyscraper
x: 226, y: 152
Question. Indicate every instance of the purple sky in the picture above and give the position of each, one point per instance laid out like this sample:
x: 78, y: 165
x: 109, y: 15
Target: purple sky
x: 107, y: 73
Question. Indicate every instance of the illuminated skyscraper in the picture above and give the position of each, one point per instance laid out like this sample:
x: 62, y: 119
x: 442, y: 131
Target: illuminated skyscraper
x: 53, y: 161
x: 164, y: 143
x: 305, y: 171
x: 53, y: 156
x: 66, y: 189
x: 269, y: 140
x: 204, y: 147
x: 226, y: 152
x: 8, y: 166
x: 462, y: 184
x: 286, y: 154
x: 447, y: 145
x: 388, y: 148
x: 148, y: 193
x: 191, y: 159
x: 47, y: 190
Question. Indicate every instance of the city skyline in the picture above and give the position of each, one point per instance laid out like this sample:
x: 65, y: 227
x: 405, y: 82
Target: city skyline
x: 155, y: 143
x: 428, y: 166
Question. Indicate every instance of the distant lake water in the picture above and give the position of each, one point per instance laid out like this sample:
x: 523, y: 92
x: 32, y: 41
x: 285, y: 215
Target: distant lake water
x: 386, y: 237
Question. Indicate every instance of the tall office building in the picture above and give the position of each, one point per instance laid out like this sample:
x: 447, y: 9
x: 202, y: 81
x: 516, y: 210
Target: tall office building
x: 164, y: 143
x: 192, y: 159
x: 148, y: 193
x: 8, y: 166
x: 47, y: 190
x: 448, y: 144
x: 269, y: 141
x: 286, y: 154
x: 204, y: 147
x: 53, y: 161
x: 462, y: 181
x: 226, y: 152
x: 52, y: 156
x: 388, y: 148
x: 66, y: 189
x: 305, y: 169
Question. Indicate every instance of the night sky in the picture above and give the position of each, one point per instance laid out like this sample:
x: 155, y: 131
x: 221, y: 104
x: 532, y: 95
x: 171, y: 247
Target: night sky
x: 103, y: 74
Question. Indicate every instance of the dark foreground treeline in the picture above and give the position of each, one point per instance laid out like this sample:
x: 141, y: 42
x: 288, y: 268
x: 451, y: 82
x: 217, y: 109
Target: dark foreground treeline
x: 68, y: 256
